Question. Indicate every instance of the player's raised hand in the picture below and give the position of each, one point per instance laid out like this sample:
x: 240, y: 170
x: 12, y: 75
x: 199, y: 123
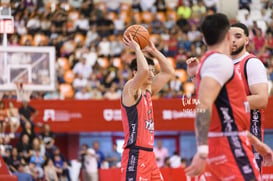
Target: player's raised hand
x: 192, y: 66
x: 149, y: 48
x: 130, y: 42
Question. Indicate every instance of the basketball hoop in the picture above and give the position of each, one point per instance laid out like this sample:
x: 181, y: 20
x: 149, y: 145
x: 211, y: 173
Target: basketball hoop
x: 23, y: 94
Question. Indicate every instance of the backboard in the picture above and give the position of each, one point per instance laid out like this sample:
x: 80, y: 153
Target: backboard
x: 33, y: 66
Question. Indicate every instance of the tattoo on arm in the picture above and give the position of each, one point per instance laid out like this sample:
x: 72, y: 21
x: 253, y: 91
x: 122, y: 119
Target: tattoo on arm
x: 202, y: 123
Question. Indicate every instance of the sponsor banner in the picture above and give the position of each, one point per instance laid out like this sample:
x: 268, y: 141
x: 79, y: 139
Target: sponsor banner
x: 103, y: 115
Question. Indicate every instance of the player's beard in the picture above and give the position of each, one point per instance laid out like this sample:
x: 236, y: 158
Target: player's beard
x: 238, y: 50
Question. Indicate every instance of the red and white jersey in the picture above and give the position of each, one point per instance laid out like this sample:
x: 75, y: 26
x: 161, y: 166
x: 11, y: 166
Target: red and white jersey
x: 138, y: 122
x: 230, y: 110
x: 251, y: 70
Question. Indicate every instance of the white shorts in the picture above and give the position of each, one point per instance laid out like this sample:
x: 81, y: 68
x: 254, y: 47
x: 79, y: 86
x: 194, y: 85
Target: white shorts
x: 14, y: 120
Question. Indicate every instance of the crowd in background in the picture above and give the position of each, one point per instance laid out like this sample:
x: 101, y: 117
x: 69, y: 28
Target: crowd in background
x: 31, y: 153
x: 91, y: 62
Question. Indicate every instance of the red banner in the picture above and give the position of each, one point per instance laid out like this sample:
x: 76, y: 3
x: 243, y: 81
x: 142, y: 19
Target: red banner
x: 103, y: 115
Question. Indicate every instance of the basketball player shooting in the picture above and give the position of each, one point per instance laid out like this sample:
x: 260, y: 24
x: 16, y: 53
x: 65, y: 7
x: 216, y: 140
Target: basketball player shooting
x: 138, y: 160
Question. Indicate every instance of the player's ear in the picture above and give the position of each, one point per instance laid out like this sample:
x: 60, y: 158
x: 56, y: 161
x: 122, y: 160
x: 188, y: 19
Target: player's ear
x: 228, y: 35
x: 134, y: 73
x: 246, y: 41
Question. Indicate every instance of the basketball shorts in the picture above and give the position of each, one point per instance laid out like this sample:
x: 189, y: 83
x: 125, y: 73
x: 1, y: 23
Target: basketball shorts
x: 231, y: 158
x: 139, y: 165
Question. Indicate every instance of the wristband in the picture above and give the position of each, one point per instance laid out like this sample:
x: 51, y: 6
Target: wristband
x: 203, y: 149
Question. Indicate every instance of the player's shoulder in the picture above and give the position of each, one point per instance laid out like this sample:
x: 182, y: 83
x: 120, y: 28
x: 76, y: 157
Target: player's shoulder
x: 255, y: 60
x: 221, y: 56
x: 127, y: 84
x: 220, y: 60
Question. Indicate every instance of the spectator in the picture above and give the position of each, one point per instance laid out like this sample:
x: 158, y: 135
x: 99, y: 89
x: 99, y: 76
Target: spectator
x: 183, y: 162
x: 3, y: 119
x: 99, y: 154
x: 48, y: 138
x: 83, y: 94
x: 27, y: 113
x: 167, y: 162
x: 211, y: 6
x: 38, y: 160
x: 14, y: 160
x: 104, y: 47
x: 21, y: 175
x: 24, y: 148
x: 82, y: 24
x: 160, y: 6
x: 32, y: 170
x: 245, y: 4
x: 95, y: 93
x: 50, y: 171
x: 119, y: 25
x: 161, y: 153
x: 269, y: 43
x: 89, y: 162
x: 147, y: 5
x: 157, y: 25
x: 61, y: 165
x: 37, y: 145
x: 114, y: 157
x: 92, y: 36
x: 13, y: 116
x: 175, y: 160
x: 112, y: 93
x: 28, y: 131
x: 116, y: 47
x: 113, y: 6
x: 259, y: 41
x: 5, y: 148
x: 82, y: 68
x: 79, y: 82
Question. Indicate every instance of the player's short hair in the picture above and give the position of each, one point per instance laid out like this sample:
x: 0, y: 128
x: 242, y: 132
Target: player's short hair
x: 242, y: 26
x: 214, y: 28
x: 133, y: 65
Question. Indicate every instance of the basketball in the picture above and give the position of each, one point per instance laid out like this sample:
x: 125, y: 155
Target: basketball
x: 139, y: 33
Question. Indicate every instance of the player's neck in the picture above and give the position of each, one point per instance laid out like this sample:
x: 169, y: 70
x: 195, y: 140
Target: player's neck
x: 220, y: 47
x: 145, y: 87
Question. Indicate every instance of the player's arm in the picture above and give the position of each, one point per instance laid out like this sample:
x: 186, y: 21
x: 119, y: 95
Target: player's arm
x: 259, y: 96
x: 203, y: 114
x: 262, y: 149
x: 192, y: 66
x: 258, y: 85
x: 166, y: 73
x: 131, y: 88
x: 214, y: 74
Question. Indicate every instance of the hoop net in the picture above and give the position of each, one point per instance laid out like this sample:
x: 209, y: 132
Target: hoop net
x: 22, y: 93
